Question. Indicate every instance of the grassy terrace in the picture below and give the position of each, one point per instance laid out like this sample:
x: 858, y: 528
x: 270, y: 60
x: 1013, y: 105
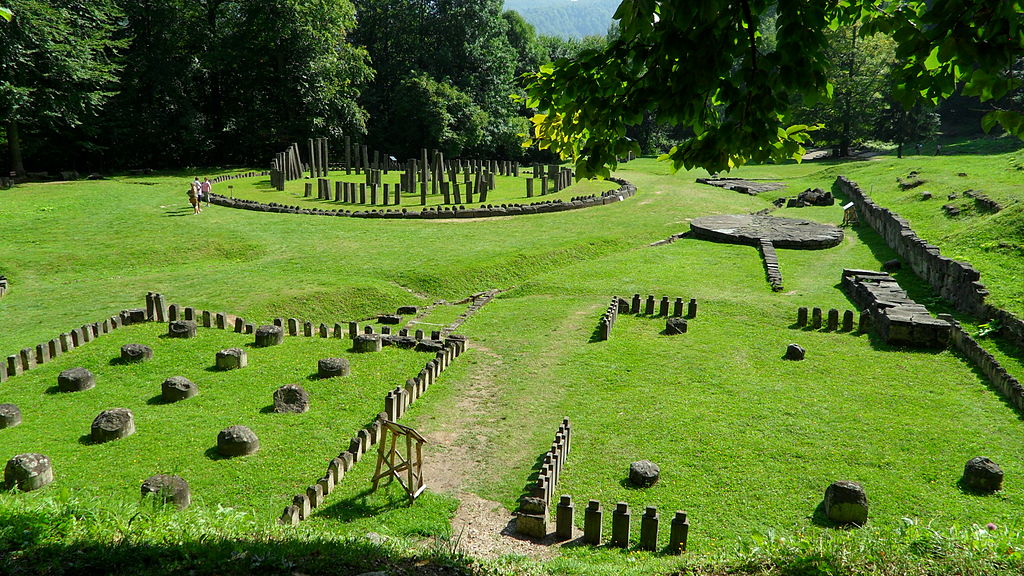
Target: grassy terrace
x: 746, y: 442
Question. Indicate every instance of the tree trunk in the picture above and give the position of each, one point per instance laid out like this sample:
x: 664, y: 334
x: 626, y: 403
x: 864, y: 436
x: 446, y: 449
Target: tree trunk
x: 899, y: 150
x: 14, y: 146
x: 844, y: 139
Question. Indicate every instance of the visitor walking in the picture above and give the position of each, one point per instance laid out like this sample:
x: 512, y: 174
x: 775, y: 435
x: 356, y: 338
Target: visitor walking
x: 206, y: 188
x: 194, y: 190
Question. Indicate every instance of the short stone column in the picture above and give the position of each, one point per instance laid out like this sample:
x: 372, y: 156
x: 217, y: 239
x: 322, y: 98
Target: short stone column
x: 181, y: 329
x: 75, y: 380
x: 112, y: 424
x: 332, y: 367
x: 368, y: 343
x: 846, y: 503
x: 291, y: 398
x: 564, y: 518
x: 649, y: 529
x: 832, y: 323
x: 177, y: 388
x: 135, y: 353
x: 28, y: 472
x: 801, y: 316
x: 620, y: 525
x: 269, y: 335
x: 816, y: 318
x: 592, y: 518
x: 237, y: 441
x: 10, y: 416
x: 168, y: 489
x: 231, y: 359
x: 848, y: 321
x: 679, y: 531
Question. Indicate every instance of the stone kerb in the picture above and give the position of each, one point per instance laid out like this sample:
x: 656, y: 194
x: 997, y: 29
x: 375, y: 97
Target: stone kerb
x: 607, y: 321
x: 396, y: 403
x: 1007, y: 385
x: 679, y: 527
x: 533, y: 514
x: 894, y: 316
x: 771, y: 264
x: 957, y: 282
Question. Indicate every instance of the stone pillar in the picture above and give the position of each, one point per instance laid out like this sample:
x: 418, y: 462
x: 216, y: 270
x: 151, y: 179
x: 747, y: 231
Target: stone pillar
x: 293, y: 327
x: 678, y: 534
x: 307, y: 329
x: 663, y: 306
x: 592, y: 517
x: 865, y: 321
x: 677, y: 308
x: 649, y: 305
x: 691, y: 308
x: 649, y: 529
x: 634, y: 307
x: 620, y: 525
x: 816, y: 318
x: 564, y: 518
x: 847, y: 320
x: 833, y: 320
x: 801, y: 316
x: 353, y: 330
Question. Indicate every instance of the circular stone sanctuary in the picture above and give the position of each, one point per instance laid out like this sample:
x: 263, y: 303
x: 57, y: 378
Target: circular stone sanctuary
x: 751, y: 229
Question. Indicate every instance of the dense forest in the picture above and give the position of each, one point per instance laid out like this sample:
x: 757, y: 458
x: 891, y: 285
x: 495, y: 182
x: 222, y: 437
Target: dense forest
x: 566, y: 18
x: 100, y: 85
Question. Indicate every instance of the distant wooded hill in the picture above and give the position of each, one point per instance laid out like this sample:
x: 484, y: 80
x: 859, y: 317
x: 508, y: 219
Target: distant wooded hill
x: 566, y: 18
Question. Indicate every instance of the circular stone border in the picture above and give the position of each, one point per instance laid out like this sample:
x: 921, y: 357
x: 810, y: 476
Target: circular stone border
x: 625, y: 190
x: 750, y: 229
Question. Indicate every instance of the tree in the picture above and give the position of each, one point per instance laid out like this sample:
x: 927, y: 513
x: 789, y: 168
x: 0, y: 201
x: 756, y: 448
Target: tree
x: 462, y: 43
x: 57, y: 70
x: 437, y: 115
x: 860, y: 71
x: 703, y: 67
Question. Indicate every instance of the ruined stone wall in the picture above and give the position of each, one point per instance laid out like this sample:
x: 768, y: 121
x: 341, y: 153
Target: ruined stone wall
x: 957, y: 282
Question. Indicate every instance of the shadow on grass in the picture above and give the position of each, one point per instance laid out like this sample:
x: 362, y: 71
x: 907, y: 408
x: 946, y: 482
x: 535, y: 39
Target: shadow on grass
x: 55, y: 389
x: 267, y: 409
x: 213, y: 454
x: 86, y: 440
x: 220, y: 554
x: 362, y: 506
x: 819, y: 518
x: 157, y: 400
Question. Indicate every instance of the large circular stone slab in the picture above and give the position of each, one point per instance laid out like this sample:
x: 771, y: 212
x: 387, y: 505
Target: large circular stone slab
x: 750, y: 229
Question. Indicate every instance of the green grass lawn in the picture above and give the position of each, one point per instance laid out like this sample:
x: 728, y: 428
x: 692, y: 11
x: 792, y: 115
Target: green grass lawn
x: 747, y: 442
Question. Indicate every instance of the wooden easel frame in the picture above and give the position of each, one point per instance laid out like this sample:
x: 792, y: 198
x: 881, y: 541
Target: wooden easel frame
x: 410, y: 463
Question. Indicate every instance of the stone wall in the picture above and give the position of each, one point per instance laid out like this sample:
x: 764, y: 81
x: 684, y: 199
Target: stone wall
x: 1006, y: 384
x: 895, y: 317
x: 533, y: 514
x: 625, y: 190
x: 957, y: 282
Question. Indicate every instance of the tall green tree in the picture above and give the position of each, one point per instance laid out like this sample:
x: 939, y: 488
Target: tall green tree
x: 57, y: 69
x: 702, y: 66
x: 461, y: 43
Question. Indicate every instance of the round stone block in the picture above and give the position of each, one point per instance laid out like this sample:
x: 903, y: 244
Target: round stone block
x: 644, y: 473
x: 367, y: 343
x: 237, y: 441
x: 28, y: 472
x: 168, y: 489
x: 846, y: 503
x: 113, y: 424
x: 231, y: 359
x: 389, y: 319
x: 269, y: 335
x: 291, y: 398
x: 75, y: 380
x: 135, y: 353
x: 675, y: 326
x: 795, y: 352
x: 178, y: 388
x: 181, y: 329
x: 982, y: 475
x: 331, y: 367
x: 10, y: 416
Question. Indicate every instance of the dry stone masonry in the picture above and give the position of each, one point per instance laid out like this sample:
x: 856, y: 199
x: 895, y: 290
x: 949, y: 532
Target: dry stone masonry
x: 533, y: 514
x: 895, y: 317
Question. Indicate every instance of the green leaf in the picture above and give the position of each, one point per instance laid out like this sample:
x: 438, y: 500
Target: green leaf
x: 6, y: 14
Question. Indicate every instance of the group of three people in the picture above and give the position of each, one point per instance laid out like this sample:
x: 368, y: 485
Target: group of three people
x: 199, y: 191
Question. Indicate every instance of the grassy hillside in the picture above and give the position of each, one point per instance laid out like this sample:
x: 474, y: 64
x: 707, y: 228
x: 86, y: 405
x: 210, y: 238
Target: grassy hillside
x: 746, y: 442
